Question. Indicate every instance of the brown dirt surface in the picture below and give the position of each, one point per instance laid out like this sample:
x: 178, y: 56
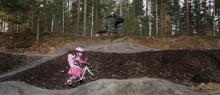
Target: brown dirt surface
x: 180, y: 66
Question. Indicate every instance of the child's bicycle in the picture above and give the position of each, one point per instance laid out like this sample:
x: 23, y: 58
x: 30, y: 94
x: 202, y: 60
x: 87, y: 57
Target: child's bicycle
x: 74, y: 81
x: 108, y: 28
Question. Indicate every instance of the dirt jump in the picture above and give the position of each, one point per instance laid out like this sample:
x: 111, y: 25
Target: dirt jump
x: 121, y: 69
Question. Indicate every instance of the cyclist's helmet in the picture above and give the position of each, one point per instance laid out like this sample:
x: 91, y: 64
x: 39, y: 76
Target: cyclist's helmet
x: 79, y: 49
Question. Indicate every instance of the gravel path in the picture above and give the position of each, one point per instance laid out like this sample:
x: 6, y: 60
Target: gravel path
x: 141, y: 86
x: 121, y: 47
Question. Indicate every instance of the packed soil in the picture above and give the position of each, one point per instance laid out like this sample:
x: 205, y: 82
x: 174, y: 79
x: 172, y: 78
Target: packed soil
x: 179, y: 66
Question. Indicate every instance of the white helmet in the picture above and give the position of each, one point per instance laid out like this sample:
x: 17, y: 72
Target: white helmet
x: 79, y: 49
x: 112, y: 13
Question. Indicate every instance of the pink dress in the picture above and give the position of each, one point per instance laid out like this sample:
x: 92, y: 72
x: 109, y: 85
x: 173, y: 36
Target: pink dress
x: 74, y: 69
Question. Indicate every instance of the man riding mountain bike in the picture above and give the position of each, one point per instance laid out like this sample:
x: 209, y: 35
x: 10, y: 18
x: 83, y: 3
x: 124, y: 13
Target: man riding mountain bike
x: 108, y: 26
x: 118, y: 19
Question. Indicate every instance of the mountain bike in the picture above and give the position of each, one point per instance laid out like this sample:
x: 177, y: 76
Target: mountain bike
x: 108, y: 28
x: 74, y: 81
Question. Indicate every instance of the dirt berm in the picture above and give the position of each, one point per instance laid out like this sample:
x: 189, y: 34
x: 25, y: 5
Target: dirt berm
x: 141, y: 86
x: 179, y: 66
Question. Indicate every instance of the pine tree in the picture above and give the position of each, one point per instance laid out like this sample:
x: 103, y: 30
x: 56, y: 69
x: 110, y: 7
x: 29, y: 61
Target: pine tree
x: 138, y: 8
x: 97, y: 14
x: 138, y: 15
x: 163, y: 13
x: 175, y: 16
x: 154, y: 17
x: 84, y: 17
x: 187, y: 15
x: 78, y: 16
x: 185, y: 18
x: 146, y: 19
x: 197, y: 16
x: 206, y: 19
x: 217, y: 13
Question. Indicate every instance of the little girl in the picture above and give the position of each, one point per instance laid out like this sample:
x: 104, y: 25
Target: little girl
x: 75, y: 61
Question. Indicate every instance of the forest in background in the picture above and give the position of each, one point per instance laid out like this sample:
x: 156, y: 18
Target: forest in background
x: 86, y: 17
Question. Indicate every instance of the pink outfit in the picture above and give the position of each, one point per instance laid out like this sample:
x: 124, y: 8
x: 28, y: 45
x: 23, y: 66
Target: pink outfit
x: 75, y: 70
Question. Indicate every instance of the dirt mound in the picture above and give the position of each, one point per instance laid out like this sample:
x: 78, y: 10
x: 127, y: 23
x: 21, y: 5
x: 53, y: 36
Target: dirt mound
x: 9, y: 61
x: 140, y: 86
x: 176, y: 65
x: 180, y: 66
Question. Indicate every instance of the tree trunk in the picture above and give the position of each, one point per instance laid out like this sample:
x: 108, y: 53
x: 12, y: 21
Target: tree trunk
x: 148, y: 11
x: 217, y: 14
x: 1, y: 24
x: 156, y: 17
x: 68, y: 3
x: 2, y: 27
x: 121, y: 7
x: 78, y: 16
x: 38, y: 29
x: 17, y: 25
x: 187, y: 15
x: 141, y: 30
x: 84, y: 18
x: 97, y: 13
x: 97, y: 8
x: 134, y: 8
x: 63, y: 25
x: 147, y: 7
x: 95, y: 17
x: 214, y: 22
x: 162, y: 18
x: 32, y: 20
x: 52, y: 23
x: 92, y: 24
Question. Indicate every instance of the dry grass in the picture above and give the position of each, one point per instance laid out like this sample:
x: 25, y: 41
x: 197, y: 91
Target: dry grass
x: 49, y: 43
x: 209, y: 87
x: 182, y: 42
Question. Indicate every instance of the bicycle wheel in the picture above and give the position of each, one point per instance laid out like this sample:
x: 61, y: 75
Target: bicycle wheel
x: 72, y: 83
